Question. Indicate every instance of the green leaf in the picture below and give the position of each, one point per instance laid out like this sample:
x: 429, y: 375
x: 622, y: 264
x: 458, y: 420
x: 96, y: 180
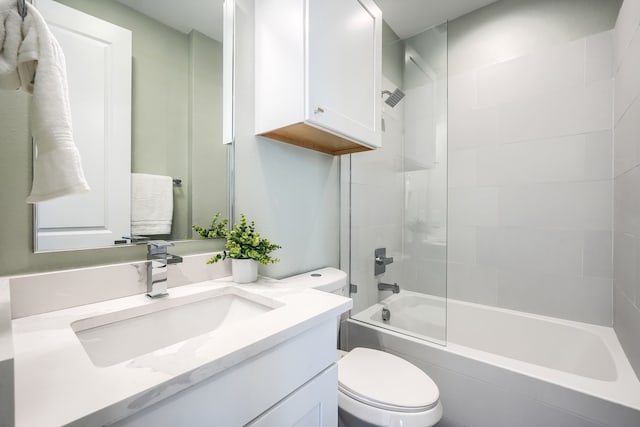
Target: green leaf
x: 243, y: 241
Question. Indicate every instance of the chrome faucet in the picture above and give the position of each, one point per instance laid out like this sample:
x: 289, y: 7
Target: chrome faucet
x: 389, y: 287
x: 158, y: 259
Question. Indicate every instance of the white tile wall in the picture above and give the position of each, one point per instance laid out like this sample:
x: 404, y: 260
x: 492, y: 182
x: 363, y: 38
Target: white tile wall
x: 462, y: 245
x: 625, y: 29
x: 627, y: 147
x: 626, y: 245
x: 626, y: 204
x: 627, y: 81
x: 561, y: 159
x: 530, y: 250
x: 462, y: 168
x: 597, y: 254
x: 570, y: 111
x: 472, y: 282
x: 463, y: 93
x: 598, y: 164
x: 527, y: 77
x: 557, y: 295
x: 475, y: 206
x: 472, y: 128
x: 599, y: 57
x: 559, y: 205
x: 530, y: 182
x: 625, y: 268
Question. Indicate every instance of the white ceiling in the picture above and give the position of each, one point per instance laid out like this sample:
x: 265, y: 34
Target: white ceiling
x: 410, y: 17
x: 204, y: 16
x: 405, y: 17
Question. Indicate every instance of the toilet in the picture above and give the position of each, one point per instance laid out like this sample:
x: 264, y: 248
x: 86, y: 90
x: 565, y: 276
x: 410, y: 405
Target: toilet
x: 376, y: 388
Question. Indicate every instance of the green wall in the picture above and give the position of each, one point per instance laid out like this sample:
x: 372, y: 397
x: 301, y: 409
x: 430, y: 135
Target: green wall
x: 209, y: 158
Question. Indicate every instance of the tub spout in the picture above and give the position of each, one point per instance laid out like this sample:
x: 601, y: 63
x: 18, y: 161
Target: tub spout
x: 389, y: 287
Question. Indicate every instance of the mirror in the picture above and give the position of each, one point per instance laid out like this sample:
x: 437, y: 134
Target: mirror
x: 165, y: 106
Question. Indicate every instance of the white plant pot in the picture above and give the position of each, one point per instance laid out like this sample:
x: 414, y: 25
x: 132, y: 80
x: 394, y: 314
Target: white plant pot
x: 244, y: 270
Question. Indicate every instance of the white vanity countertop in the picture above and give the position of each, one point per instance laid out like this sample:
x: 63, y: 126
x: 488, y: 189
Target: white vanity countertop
x: 57, y: 384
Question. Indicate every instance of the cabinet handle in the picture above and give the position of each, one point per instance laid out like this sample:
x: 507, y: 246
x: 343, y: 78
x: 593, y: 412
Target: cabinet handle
x: 318, y: 110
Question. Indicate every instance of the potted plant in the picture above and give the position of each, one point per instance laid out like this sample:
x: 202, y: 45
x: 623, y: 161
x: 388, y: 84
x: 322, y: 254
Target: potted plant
x: 244, y: 246
x: 216, y: 231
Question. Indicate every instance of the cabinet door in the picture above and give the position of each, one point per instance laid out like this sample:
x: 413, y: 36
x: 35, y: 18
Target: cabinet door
x: 343, y: 67
x: 315, y: 404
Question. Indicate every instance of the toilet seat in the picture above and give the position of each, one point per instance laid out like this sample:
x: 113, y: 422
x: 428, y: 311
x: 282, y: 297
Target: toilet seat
x: 383, y: 389
x: 381, y: 417
x: 382, y: 405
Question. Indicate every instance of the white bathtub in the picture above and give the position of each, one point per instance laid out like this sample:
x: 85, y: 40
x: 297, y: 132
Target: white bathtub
x: 552, y: 371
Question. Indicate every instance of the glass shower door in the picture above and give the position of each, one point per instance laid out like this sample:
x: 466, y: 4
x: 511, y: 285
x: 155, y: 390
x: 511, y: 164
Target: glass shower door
x: 399, y: 194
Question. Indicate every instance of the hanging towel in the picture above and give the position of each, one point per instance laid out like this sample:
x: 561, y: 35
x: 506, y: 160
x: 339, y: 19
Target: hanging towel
x: 10, y: 41
x: 151, y: 204
x: 57, y: 169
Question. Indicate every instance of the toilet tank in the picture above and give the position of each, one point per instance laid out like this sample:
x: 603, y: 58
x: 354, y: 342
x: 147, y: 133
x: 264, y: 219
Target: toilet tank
x: 325, y: 279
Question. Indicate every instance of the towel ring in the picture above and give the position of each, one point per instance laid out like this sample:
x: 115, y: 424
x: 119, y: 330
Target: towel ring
x: 22, y: 8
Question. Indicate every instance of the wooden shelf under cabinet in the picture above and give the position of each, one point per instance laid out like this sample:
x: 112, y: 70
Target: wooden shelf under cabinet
x: 307, y: 136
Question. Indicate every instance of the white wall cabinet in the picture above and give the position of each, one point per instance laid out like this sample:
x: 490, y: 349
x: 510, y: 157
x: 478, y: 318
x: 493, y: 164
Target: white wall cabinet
x: 318, y: 73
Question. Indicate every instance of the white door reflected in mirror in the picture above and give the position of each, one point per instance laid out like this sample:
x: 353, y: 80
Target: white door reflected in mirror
x: 98, y: 57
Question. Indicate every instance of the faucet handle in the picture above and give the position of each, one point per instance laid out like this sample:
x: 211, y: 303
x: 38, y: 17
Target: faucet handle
x: 381, y: 261
x: 155, y: 247
x: 136, y: 240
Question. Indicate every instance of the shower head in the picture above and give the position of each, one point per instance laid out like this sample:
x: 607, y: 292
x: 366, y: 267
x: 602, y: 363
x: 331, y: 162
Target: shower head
x: 394, y: 97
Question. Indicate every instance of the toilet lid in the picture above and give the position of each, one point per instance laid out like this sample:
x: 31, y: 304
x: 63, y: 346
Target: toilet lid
x: 386, y: 381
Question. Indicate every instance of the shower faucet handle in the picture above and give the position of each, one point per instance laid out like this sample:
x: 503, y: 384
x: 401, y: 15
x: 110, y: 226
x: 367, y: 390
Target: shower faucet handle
x: 381, y: 261
x: 384, y: 260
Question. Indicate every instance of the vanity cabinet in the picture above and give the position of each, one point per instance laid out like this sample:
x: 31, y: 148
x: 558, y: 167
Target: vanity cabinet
x: 292, y: 384
x: 318, y: 73
x: 312, y: 405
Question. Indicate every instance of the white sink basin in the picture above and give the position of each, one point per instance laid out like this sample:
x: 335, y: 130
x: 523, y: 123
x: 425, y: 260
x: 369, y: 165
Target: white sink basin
x: 119, y: 336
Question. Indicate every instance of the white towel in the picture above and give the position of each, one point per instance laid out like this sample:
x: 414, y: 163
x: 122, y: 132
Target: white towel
x: 10, y: 41
x: 151, y: 204
x: 57, y: 170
